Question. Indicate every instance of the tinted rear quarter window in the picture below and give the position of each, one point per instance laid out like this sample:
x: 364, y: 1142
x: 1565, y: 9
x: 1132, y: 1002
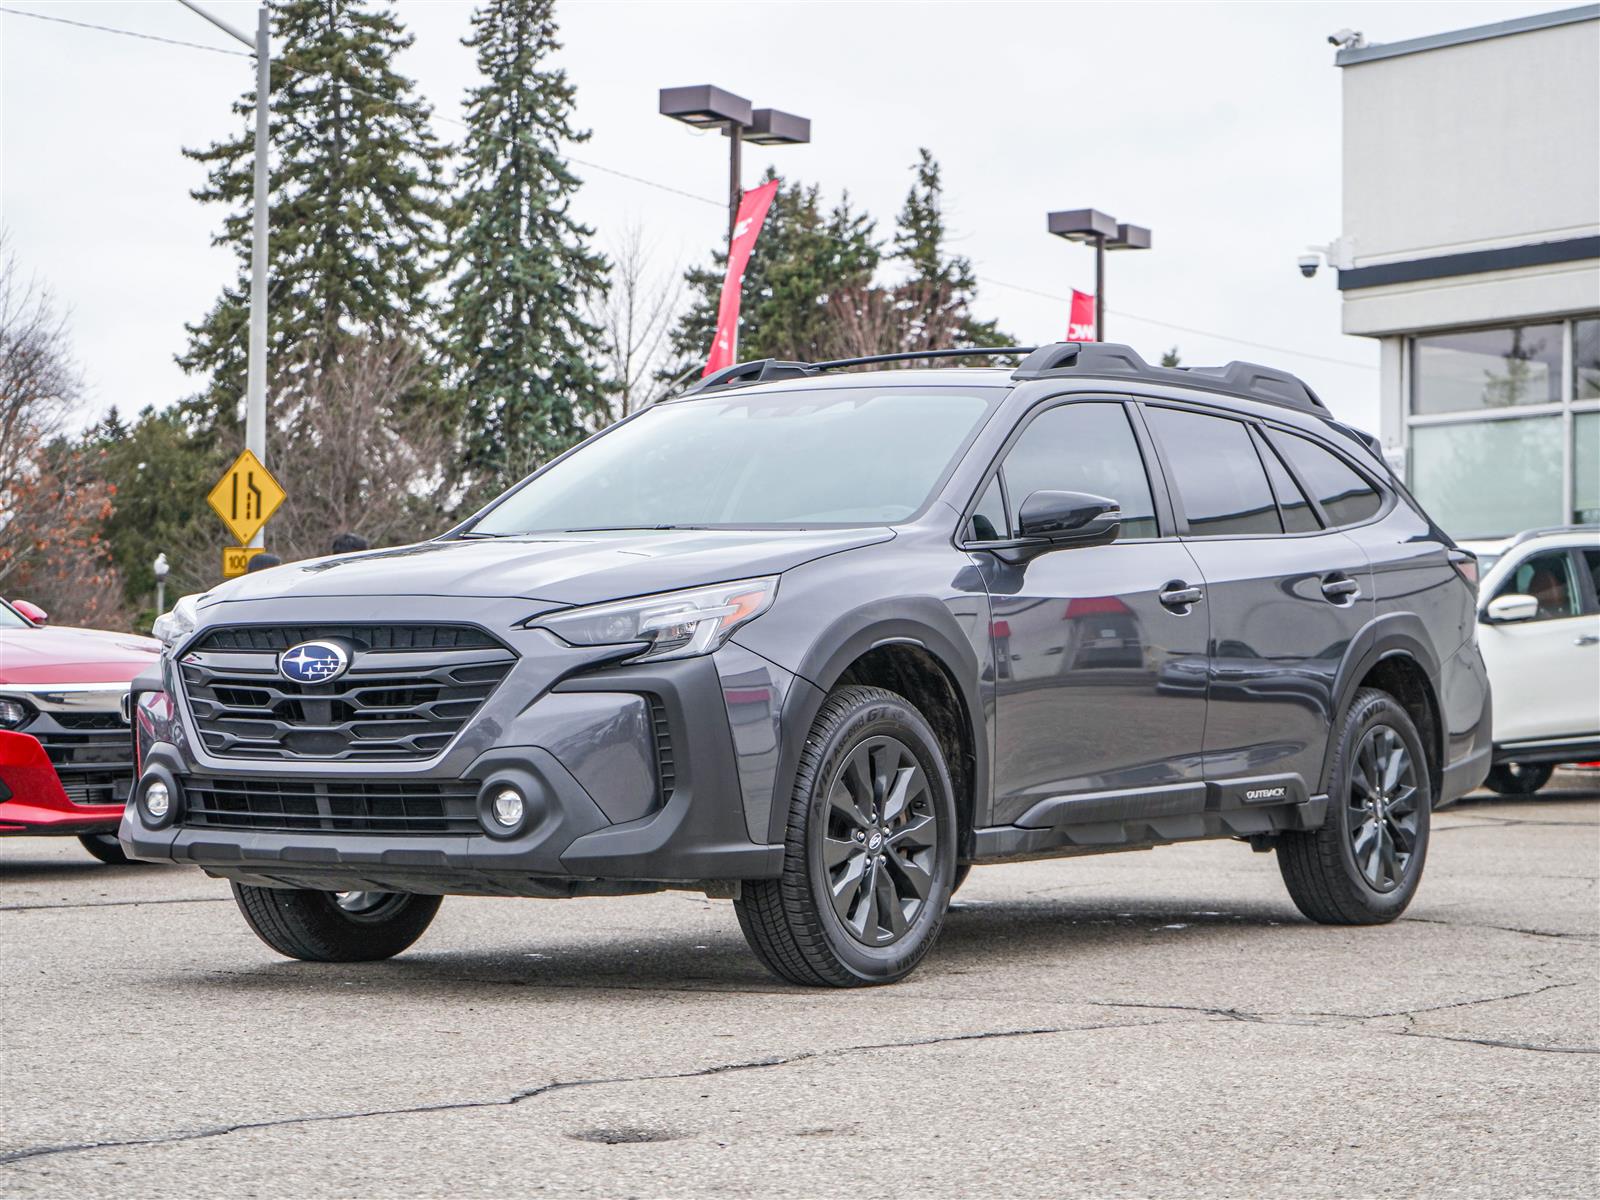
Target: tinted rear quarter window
x: 1347, y: 498
x: 1296, y: 511
x: 1218, y: 476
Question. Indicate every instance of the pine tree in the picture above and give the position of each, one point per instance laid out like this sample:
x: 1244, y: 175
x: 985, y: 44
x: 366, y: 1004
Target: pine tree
x: 522, y: 275
x: 355, y: 205
x: 802, y: 260
x: 943, y: 285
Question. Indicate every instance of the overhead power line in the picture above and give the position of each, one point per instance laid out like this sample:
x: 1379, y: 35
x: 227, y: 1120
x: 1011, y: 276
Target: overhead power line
x: 133, y: 33
x: 680, y: 192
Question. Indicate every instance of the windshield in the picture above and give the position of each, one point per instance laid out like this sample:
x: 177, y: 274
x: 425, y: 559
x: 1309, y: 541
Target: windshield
x: 11, y: 619
x: 837, y: 456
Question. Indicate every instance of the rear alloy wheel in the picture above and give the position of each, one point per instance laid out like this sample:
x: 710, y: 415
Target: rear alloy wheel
x: 870, y: 852
x: 335, y: 926
x: 1364, y: 864
x: 1518, y: 779
x: 106, y: 848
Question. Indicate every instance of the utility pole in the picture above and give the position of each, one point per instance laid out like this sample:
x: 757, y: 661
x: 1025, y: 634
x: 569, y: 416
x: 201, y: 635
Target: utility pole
x: 255, y: 405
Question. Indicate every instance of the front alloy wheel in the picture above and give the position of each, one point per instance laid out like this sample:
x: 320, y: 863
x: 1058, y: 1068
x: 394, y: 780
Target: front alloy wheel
x: 870, y: 849
x: 879, y: 847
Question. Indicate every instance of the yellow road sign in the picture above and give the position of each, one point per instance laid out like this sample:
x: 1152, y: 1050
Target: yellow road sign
x: 236, y: 559
x: 245, y: 497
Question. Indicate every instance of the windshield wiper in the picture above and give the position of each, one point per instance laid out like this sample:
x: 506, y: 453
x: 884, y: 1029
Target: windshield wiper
x: 625, y: 528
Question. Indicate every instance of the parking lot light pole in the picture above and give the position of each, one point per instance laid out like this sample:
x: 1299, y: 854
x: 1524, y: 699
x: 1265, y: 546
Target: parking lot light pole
x: 160, y: 568
x: 255, y: 407
x: 1104, y: 232
x: 705, y: 107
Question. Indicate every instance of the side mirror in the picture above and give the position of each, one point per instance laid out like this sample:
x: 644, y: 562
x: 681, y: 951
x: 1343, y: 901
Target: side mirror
x: 32, y: 611
x: 1069, y: 518
x: 1055, y: 520
x: 1503, y: 610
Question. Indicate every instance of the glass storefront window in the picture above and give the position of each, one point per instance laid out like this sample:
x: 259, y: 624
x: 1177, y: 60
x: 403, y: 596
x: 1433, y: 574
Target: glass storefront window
x: 1586, y: 358
x: 1486, y: 368
x: 1586, y: 466
x: 1484, y: 479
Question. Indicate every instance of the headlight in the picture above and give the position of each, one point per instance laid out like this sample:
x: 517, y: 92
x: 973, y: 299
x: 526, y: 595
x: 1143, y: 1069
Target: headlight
x: 672, y: 624
x: 172, y: 627
x: 13, y: 713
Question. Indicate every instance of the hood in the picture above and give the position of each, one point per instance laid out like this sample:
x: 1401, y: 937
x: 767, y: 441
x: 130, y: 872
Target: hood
x: 574, y: 568
x: 61, y: 654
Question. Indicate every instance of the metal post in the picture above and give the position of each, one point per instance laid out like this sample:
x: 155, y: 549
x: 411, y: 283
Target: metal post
x: 735, y: 191
x: 1099, y: 287
x: 255, y: 409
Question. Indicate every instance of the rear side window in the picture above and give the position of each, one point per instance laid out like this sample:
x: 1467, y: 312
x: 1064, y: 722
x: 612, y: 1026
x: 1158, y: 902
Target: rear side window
x: 1293, y: 507
x: 1347, y: 498
x: 1083, y: 447
x: 1591, y: 564
x: 1218, y: 475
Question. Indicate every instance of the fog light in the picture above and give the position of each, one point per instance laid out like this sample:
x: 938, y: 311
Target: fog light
x: 157, y: 800
x: 507, y: 807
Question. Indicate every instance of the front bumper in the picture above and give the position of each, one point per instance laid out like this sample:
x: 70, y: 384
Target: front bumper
x: 71, y: 767
x: 579, y: 739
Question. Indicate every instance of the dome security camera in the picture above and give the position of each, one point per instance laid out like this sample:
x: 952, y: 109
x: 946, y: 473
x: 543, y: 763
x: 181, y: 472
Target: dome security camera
x: 1309, y: 264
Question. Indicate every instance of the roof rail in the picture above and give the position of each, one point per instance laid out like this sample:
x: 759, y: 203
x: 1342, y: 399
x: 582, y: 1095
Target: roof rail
x: 1267, y: 384
x: 1108, y: 358
x: 1527, y: 535
x: 765, y: 370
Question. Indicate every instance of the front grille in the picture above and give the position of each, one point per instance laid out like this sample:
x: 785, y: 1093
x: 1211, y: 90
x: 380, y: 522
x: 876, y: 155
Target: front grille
x: 94, y: 768
x: 344, y: 806
x: 409, y: 690
x: 91, y: 721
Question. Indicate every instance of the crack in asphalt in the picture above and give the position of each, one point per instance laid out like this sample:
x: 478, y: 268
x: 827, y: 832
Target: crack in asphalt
x: 1361, y: 1020
x: 14, y: 1157
x: 117, y: 903
x: 1544, y: 933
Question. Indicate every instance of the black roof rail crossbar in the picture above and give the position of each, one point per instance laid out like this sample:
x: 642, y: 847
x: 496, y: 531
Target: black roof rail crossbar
x: 913, y: 355
x: 1108, y: 358
x: 765, y: 370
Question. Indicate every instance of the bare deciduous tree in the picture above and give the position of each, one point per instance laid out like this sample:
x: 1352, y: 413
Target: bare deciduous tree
x: 51, y: 497
x: 359, y: 454
x: 635, y: 316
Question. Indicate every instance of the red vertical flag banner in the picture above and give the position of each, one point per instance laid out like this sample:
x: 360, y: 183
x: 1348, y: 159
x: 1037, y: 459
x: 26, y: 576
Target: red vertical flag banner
x: 752, y: 212
x: 1080, y: 324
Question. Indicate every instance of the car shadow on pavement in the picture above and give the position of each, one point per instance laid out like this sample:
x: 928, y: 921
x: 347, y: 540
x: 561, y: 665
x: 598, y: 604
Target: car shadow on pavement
x: 55, y: 870
x: 978, y: 936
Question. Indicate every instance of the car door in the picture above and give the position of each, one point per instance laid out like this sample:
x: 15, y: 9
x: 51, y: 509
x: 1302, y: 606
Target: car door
x: 1099, y: 682
x: 1284, y: 596
x: 1545, y: 670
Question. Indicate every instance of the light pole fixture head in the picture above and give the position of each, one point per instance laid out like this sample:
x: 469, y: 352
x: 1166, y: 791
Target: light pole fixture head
x: 769, y: 127
x: 159, y: 567
x: 1083, y: 225
x: 1130, y: 237
x: 704, y: 106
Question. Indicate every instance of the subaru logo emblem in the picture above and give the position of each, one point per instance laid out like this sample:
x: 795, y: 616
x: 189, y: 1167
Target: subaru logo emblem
x: 314, y: 662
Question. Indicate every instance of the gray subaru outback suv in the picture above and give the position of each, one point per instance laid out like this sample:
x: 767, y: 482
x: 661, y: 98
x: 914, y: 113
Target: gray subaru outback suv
x: 819, y: 640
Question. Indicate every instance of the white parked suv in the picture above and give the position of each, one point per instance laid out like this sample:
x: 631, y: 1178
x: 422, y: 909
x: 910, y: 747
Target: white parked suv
x: 1539, y: 630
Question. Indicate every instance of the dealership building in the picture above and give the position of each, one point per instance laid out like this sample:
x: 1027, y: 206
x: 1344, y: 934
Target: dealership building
x: 1471, y: 251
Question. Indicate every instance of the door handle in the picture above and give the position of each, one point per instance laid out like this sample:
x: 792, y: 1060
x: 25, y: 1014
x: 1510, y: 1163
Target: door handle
x: 1586, y: 639
x: 1337, y: 587
x: 1179, y: 595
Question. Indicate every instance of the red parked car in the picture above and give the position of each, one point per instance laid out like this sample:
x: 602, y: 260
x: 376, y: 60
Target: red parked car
x: 66, y: 753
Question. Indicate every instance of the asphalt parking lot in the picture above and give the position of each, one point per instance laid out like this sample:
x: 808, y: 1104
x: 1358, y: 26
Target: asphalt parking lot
x: 1129, y: 1024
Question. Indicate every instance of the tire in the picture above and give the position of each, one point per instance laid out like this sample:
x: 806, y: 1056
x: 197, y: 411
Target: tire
x: 106, y: 848
x: 1518, y: 779
x: 962, y: 871
x: 871, y: 746
x: 335, y: 926
x: 1356, y: 869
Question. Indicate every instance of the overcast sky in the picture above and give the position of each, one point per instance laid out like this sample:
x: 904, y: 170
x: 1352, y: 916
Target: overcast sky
x: 1216, y: 125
